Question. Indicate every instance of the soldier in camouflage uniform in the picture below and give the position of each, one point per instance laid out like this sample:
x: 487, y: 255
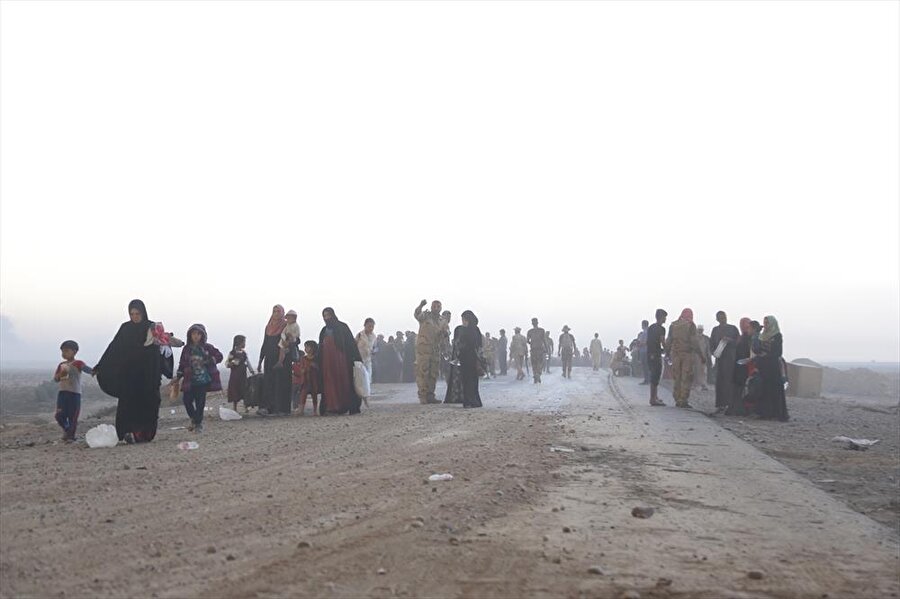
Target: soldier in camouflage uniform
x: 537, y: 339
x: 518, y: 352
x: 489, y: 350
x: 683, y: 346
x: 428, y: 350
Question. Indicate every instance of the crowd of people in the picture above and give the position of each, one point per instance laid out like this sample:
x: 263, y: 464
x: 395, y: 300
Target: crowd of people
x: 749, y: 369
x: 746, y: 365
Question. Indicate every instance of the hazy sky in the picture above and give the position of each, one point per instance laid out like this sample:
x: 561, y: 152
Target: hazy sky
x: 582, y: 162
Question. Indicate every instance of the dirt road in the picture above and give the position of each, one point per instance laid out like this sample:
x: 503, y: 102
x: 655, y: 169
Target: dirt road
x: 340, y: 507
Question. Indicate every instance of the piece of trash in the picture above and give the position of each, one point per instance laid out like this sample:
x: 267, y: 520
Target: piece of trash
x: 826, y: 480
x: 859, y: 444
x: 102, y: 435
x: 177, y: 428
x: 439, y: 477
x: 559, y: 449
x: 188, y: 445
x: 642, y: 512
x: 171, y: 411
x: 228, y: 414
x: 381, y: 571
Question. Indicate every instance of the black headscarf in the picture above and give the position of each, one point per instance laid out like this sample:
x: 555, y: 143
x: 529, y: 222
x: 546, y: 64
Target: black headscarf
x: 343, y: 338
x: 469, y: 338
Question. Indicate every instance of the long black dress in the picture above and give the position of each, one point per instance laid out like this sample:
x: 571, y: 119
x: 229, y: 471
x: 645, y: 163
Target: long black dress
x: 131, y: 372
x: 276, y: 395
x: 772, y: 404
x: 469, y: 350
x: 454, y: 379
x: 725, y: 363
x: 742, y: 352
x: 409, y: 361
x: 337, y: 353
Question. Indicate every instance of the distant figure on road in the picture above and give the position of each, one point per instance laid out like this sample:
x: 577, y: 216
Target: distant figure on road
x: 596, y: 351
x: 518, y: 352
x: 683, y: 347
x: 656, y: 335
x: 502, y: 344
x: 724, y: 335
x: 537, y: 340
x: 567, y: 350
x: 702, y: 362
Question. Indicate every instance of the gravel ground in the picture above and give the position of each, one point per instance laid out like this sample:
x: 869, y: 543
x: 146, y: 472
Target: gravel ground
x: 340, y: 506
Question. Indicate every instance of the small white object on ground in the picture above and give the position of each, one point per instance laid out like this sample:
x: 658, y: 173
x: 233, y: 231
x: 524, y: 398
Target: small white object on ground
x: 177, y: 428
x: 188, y: 445
x: 102, y: 435
x: 228, y: 414
x: 172, y: 411
x: 561, y: 449
x: 861, y: 444
x: 437, y: 477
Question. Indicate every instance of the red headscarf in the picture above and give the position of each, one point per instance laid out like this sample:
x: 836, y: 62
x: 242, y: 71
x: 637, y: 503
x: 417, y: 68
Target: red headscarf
x: 745, y: 326
x: 687, y: 314
x: 277, y: 322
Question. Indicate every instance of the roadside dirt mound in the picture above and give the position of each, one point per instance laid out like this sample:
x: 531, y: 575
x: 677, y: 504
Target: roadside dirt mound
x: 859, y: 381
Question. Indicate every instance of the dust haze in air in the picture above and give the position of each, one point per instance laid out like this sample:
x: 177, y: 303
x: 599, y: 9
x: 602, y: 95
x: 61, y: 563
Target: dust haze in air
x: 584, y: 163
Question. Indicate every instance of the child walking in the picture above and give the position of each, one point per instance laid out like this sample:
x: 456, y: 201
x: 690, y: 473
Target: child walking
x: 68, y: 400
x: 239, y: 364
x: 305, y: 378
x: 198, y: 374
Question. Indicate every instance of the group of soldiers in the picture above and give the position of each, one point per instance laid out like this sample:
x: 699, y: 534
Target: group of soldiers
x: 433, y: 350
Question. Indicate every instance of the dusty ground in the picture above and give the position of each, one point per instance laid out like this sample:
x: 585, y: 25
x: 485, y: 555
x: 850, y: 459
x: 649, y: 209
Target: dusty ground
x: 868, y: 481
x: 339, y: 507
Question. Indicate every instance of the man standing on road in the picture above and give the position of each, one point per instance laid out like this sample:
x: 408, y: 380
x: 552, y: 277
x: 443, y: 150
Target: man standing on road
x: 725, y: 360
x: 518, y: 352
x: 428, y: 350
x: 642, y: 351
x: 567, y: 349
x: 596, y: 351
x: 656, y: 335
x: 537, y: 340
x: 502, y: 343
x: 701, y: 364
x: 684, y: 348
x: 488, y: 348
x: 548, y: 346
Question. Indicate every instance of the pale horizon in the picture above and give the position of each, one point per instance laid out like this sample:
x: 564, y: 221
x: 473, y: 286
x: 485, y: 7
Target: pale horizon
x: 584, y: 163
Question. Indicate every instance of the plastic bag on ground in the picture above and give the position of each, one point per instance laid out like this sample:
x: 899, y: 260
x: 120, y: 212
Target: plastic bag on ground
x: 228, y: 414
x: 439, y: 477
x: 361, y: 382
x: 102, y: 435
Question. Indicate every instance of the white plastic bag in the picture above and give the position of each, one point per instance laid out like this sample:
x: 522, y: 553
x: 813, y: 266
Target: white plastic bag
x: 102, y: 435
x: 440, y: 477
x: 361, y: 382
x: 228, y: 414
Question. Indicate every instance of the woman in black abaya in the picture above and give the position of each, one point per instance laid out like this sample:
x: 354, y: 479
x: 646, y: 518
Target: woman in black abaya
x: 130, y: 371
x: 468, y: 340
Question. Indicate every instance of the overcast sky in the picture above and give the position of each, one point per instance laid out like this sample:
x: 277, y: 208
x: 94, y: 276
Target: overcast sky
x: 581, y: 162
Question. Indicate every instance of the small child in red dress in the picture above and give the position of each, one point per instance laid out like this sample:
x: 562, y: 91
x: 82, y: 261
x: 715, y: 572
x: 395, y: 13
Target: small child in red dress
x: 305, y: 378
